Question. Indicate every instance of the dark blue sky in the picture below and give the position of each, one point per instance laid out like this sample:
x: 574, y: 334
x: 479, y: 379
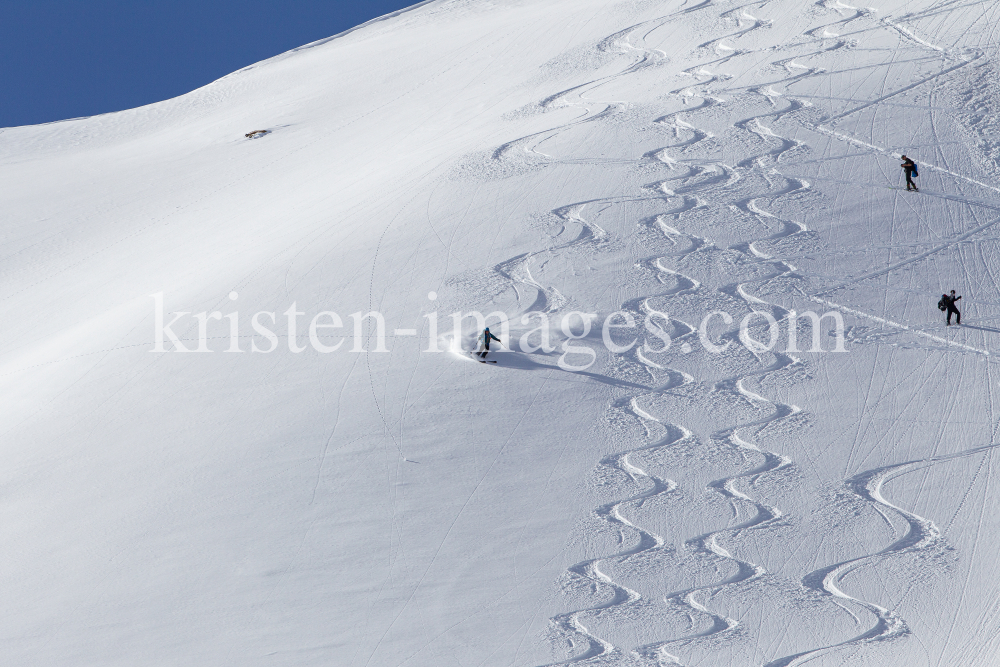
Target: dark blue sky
x: 68, y: 58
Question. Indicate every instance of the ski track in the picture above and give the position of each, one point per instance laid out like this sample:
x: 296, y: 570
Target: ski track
x: 688, y: 189
x: 921, y: 534
x: 699, y: 177
x: 517, y: 270
x: 691, y: 184
x: 570, y: 625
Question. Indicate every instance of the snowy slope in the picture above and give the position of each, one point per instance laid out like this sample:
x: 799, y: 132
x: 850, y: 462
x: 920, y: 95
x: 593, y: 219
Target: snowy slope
x: 412, y: 507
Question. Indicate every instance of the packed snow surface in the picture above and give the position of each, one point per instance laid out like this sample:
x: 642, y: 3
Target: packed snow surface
x: 711, y: 503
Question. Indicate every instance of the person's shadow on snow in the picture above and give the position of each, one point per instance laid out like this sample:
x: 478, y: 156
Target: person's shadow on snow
x: 973, y: 326
x: 525, y: 362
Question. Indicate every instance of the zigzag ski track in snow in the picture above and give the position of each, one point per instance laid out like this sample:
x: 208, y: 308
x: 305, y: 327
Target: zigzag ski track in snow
x: 691, y: 496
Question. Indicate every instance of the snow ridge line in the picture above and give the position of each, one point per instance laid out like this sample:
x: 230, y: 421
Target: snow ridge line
x: 908, y: 34
x: 921, y: 535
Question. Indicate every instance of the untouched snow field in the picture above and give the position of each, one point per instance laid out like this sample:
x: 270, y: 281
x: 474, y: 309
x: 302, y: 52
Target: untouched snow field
x: 411, y: 507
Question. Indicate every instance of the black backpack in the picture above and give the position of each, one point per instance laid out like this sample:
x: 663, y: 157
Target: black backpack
x: 941, y: 304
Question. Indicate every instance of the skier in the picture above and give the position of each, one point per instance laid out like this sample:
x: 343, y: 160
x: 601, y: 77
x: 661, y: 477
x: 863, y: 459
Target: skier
x: 484, y: 343
x: 910, y: 169
x: 947, y: 302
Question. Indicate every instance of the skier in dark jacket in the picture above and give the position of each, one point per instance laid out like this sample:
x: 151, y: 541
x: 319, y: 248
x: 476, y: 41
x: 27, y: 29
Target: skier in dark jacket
x: 909, y: 168
x: 948, y: 301
x: 484, y: 343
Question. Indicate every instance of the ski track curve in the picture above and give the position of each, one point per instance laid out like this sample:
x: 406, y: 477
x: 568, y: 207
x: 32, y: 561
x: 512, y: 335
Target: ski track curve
x: 764, y: 515
x: 698, y: 177
x: 921, y: 534
x: 517, y: 270
x: 690, y: 188
x: 570, y: 625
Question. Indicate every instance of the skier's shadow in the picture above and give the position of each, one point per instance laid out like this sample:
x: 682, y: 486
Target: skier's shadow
x: 525, y: 362
x: 973, y: 326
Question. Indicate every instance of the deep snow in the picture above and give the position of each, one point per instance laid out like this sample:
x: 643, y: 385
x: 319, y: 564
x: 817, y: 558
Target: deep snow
x: 415, y: 508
